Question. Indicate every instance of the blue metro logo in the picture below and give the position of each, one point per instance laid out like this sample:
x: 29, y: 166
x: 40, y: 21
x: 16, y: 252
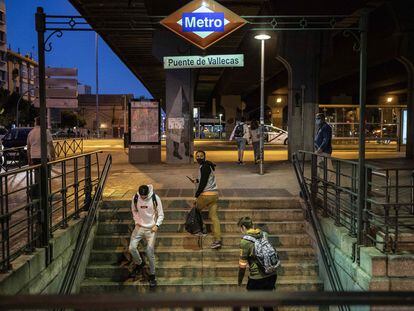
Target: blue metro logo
x: 194, y: 22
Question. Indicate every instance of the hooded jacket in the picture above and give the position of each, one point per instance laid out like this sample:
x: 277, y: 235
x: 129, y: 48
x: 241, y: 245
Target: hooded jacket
x: 247, y: 254
x: 144, y: 213
x: 206, y: 178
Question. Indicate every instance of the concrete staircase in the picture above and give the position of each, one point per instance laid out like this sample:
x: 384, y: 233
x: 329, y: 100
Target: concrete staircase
x: 183, y: 267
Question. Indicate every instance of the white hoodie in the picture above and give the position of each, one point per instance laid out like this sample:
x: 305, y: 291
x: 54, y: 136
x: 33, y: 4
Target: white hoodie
x: 144, y: 213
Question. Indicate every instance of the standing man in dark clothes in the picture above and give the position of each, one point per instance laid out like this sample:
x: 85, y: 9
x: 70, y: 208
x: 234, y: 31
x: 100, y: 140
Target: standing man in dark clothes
x: 207, y: 194
x: 323, y: 145
x: 258, y: 280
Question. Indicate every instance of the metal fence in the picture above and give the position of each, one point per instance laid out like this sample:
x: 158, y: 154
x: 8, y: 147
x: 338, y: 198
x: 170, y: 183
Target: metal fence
x: 17, y: 157
x: 197, y: 302
x: 387, y: 218
x: 71, y: 186
x: 68, y: 147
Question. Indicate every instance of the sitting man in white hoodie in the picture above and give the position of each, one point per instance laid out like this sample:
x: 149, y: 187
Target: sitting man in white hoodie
x: 148, y: 215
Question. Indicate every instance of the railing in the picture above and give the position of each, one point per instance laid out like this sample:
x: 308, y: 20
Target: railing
x: 68, y: 147
x: 71, y: 186
x: 320, y: 237
x: 13, y: 157
x: 17, y: 156
x: 77, y: 255
x: 388, y: 214
x: 233, y: 301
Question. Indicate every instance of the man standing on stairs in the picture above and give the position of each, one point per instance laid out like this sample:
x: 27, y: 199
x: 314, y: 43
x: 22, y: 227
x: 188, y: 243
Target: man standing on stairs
x: 258, y: 279
x: 207, y: 194
x: 148, y: 216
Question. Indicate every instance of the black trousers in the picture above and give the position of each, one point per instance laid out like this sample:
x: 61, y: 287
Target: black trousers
x: 262, y: 284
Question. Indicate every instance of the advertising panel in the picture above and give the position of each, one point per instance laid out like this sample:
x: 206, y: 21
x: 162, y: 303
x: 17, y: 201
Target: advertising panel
x: 145, y: 122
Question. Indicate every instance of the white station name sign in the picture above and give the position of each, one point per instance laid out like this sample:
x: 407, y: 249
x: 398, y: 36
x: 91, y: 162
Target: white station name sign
x: 209, y: 61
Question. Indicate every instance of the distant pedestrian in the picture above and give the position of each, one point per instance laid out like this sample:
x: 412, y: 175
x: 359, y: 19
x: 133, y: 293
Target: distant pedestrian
x: 33, y: 145
x: 262, y: 276
x: 207, y: 194
x: 323, y: 146
x: 148, y: 215
x: 255, y: 131
x: 241, y: 133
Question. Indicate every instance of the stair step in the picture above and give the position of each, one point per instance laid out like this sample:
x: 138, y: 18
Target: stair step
x: 187, y: 269
x: 172, y: 226
x: 186, y: 240
x: 112, y: 255
x: 226, y: 203
x: 223, y: 214
x: 179, y: 285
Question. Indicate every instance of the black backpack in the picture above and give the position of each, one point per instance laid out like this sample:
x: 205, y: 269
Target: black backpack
x: 194, y: 221
x: 239, y: 132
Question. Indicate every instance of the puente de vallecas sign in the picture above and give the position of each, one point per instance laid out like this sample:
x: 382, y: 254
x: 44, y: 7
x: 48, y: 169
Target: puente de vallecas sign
x: 203, y: 22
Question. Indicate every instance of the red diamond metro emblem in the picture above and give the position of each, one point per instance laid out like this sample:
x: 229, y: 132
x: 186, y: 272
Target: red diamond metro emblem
x: 203, y: 22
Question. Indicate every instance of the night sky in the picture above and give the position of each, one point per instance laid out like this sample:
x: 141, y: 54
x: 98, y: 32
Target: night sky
x: 75, y: 49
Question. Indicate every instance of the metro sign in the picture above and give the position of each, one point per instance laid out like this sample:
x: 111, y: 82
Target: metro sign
x: 203, y: 22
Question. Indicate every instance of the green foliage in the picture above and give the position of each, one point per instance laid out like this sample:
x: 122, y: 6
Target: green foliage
x: 71, y: 119
x: 8, y: 108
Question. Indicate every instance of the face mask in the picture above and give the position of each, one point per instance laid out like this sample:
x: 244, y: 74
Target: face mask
x: 200, y: 161
x: 318, y: 122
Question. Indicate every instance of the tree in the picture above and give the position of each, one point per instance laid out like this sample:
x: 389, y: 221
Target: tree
x: 8, y: 109
x: 71, y: 119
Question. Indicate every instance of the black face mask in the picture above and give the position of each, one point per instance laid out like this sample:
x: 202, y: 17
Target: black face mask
x: 200, y: 161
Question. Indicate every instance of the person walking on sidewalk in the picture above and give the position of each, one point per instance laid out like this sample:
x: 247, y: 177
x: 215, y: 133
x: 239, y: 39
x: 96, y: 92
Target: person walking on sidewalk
x: 206, y: 195
x: 258, y: 278
x: 148, y: 215
x: 33, y: 145
x: 255, y: 132
x: 323, y: 146
x: 241, y: 133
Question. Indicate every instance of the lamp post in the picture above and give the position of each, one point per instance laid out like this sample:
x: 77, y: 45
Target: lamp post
x: 18, y: 103
x: 220, y: 115
x: 262, y: 38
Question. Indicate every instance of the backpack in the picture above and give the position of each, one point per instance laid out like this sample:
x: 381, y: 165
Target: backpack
x: 194, y: 221
x: 265, y: 254
x: 239, y: 131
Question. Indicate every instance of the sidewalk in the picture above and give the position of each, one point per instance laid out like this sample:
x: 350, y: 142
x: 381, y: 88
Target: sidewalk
x: 232, y: 179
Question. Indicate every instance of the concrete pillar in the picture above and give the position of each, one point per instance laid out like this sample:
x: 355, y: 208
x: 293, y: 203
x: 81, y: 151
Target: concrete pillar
x: 303, y: 84
x: 179, y: 98
x: 213, y: 108
x: 230, y: 103
x: 276, y: 103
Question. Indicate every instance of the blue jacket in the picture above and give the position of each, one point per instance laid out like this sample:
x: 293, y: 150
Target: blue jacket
x: 323, y: 138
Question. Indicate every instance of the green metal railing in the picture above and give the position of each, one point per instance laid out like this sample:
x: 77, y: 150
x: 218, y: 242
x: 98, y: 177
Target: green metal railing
x: 231, y: 301
x: 385, y: 219
x: 71, y: 183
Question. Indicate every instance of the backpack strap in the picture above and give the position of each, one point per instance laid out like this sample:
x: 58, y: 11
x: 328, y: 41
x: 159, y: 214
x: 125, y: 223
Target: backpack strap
x: 249, y: 238
x: 155, y: 203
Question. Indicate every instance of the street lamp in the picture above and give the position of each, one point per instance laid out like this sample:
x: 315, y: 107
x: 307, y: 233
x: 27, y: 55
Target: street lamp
x: 262, y: 38
x: 18, y: 103
x: 220, y: 115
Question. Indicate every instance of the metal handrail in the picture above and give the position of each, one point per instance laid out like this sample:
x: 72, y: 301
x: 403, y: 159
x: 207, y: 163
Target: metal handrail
x: 71, y: 187
x: 323, y: 246
x: 233, y: 300
x: 72, y: 270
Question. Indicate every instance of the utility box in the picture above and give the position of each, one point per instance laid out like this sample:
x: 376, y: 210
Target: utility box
x: 144, y: 131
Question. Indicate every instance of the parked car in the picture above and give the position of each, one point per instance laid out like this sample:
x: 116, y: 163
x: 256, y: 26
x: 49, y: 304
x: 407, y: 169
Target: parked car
x: 15, y: 138
x: 3, y: 132
x: 275, y: 135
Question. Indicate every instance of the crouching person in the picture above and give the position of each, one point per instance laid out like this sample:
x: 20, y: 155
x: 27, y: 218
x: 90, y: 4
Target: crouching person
x: 148, y: 215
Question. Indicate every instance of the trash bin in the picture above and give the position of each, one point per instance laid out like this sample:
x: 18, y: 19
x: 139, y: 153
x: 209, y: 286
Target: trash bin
x: 126, y: 140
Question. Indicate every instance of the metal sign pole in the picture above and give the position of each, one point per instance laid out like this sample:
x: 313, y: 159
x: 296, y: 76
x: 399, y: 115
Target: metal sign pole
x: 44, y: 206
x: 261, y: 164
x: 361, y: 149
